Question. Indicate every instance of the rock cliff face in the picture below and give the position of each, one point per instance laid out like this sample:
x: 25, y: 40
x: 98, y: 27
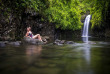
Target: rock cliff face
x: 13, y: 26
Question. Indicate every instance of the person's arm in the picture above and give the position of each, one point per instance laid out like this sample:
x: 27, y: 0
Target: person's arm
x: 27, y: 34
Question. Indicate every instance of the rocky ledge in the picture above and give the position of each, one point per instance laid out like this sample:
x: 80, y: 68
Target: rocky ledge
x: 14, y: 43
x: 26, y: 40
x: 62, y: 42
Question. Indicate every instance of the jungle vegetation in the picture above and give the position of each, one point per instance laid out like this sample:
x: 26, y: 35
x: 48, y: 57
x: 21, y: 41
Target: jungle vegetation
x: 66, y: 14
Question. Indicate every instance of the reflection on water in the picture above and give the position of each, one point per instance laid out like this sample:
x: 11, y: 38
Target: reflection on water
x: 79, y: 58
x: 32, y: 52
x: 86, y: 50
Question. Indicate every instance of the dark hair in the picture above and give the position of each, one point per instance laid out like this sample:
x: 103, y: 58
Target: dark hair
x: 29, y: 27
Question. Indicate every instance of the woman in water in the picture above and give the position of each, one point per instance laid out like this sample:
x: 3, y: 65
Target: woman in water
x: 30, y: 34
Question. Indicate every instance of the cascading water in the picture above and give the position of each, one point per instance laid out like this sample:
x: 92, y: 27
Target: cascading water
x: 85, y: 36
x: 86, y: 26
x: 86, y: 29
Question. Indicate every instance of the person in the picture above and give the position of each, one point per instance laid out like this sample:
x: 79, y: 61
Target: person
x: 30, y: 34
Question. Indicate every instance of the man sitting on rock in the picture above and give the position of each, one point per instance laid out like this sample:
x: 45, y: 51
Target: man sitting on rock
x: 30, y: 34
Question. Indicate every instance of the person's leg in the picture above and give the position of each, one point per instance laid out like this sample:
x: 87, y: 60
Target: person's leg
x: 37, y: 36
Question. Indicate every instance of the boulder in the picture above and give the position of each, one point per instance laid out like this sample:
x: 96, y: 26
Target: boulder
x: 2, y: 44
x: 70, y: 42
x: 14, y: 43
x: 6, y: 42
x: 62, y: 41
x: 91, y: 43
x: 32, y: 41
x: 46, y: 37
x: 57, y: 42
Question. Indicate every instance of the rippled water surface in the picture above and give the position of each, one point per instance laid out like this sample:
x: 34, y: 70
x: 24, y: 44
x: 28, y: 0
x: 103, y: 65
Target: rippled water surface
x: 79, y: 58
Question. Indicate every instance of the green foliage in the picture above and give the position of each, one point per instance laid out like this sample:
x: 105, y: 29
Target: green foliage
x: 98, y: 10
x: 65, y: 14
x: 84, y: 6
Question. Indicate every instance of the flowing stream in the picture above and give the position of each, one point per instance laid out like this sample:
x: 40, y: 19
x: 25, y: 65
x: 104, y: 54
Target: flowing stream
x: 78, y: 58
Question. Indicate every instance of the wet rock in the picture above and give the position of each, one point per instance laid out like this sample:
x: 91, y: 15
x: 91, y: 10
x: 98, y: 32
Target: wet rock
x: 2, y: 44
x: 19, y: 42
x: 45, y: 38
x: 70, y: 42
x: 28, y: 40
x: 62, y: 41
x: 57, y: 42
x: 104, y: 43
x: 92, y: 43
x: 14, y: 43
x: 6, y: 42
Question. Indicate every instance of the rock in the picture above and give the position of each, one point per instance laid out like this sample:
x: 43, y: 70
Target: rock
x: 70, y: 42
x: 32, y: 41
x: 45, y: 38
x: 19, y: 42
x: 2, y: 44
x: 14, y: 43
x: 62, y: 41
x: 6, y: 42
x: 57, y: 42
x: 92, y: 43
x: 104, y: 43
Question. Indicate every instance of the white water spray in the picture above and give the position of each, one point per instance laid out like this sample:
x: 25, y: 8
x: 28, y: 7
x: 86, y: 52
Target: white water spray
x: 86, y: 26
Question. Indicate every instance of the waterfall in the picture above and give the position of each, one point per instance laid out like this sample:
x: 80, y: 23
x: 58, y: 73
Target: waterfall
x: 86, y: 26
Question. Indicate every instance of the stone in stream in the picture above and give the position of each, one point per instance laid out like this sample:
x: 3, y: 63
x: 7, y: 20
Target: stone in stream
x: 46, y: 37
x: 57, y: 42
x: 16, y: 43
x: 91, y: 43
x: 2, y: 44
x: 61, y: 42
x: 70, y: 42
x: 6, y: 42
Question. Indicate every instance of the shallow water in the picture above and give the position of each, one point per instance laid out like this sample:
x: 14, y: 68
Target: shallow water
x: 79, y: 58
